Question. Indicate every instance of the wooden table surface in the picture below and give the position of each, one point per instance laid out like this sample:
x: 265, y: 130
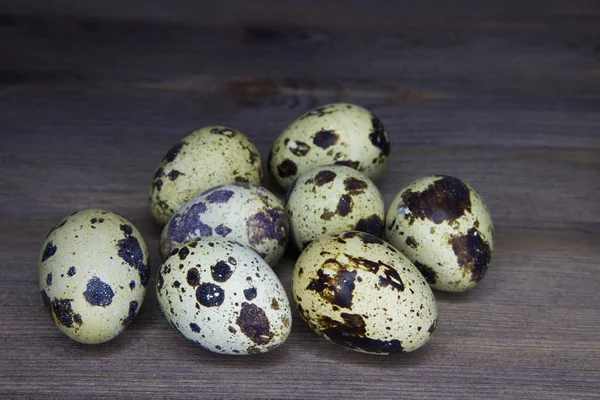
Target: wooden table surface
x: 504, y: 95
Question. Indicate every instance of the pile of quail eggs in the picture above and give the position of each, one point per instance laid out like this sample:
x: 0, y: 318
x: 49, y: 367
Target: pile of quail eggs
x: 363, y: 279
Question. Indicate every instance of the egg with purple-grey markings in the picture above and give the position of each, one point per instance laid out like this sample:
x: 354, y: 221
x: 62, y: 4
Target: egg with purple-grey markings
x: 224, y: 297
x: 207, y: 157
x: 338, y: 133
x: 246, y: 213
x: 361, y: 293
x: 93, y: 274
x: 444, y: 227
x: 333, y: 199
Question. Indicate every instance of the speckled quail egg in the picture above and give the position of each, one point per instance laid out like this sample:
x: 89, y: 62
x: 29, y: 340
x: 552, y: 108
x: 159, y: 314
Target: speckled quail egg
x: 207, y: 157
x: 443, y: 226
x: 333, y: 199
x: 224, y: 297
x: 361, y: 293
x: 246, y: 213
x: 93, y: 274
x: 340, y: 133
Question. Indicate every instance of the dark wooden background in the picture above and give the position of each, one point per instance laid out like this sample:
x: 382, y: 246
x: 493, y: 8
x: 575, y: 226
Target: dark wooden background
x: 504, y: 95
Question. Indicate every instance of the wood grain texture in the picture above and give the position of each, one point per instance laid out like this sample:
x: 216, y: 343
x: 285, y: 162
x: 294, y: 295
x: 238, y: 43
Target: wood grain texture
x: 506, y: 96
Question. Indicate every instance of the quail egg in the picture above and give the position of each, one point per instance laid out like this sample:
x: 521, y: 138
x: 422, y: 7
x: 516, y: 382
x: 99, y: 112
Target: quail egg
x: 333, y: 199
x: 361, y: 293
x: 246, y: 213
x: 93, y: 274
x: 207, y: 157
x: 443, y: 226
x: 224, y: 297
x: 339, y: 133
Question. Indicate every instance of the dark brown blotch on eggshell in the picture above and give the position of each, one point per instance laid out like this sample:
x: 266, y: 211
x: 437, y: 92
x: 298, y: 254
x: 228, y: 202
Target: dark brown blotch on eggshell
x: 323, y: 177
x: 446, y: 199
x: 325, y: 138
x: 428, y: 273
x: 63, y: 311
x: 254, y: 323
x: 351, y: 333
x: 210, y: 295
x: 378, y: 136
x: 130, y: 251
x: 287, y: 168
x: 98, y: 293
x: 349, y: 163
x: 318, y: 112
x: 221, y: 271
x: 300, y: 150
x: 336, y: 289
x: 49, y: 251
x: 355, y: 186
x: 411, y: 242
x: 268, y: 224
x: 472, y: 253
x: 133, y: 309
x: 173, y: 152
x: 373, y: 225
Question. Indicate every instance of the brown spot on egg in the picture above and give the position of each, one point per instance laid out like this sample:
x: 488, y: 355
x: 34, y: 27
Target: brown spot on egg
x: 269, y: 224
x: 253, y: 323
x: 193, y: 277
x: 160, y: 280
x: 49, y: 251
x: 446, y: 199
x: 318, y: 112
x: 335, y: 289
x: 131, y: 252
x: 351, y: 333
x: 355, y: 186
x: 220, y: 272
x: 348, y: 163
x: 472, y: 253
x: 378, y: 136
x: 287, y: 168
x: 391, y: 274
x: 210, y: 295
x: 323, y: 177
x: 174, y: 174
x: 411, y: 242
x: 183, y: 253
x: 223, y: 131
x: 325, y: 138
x: 173, y: 152
x: 392, y: 279
x: 98, y: 293
x: 428, y: 273
x: 367, y: 238
x: 344, y: 206
x: 327, y: 214
x: 250, y: 293
x: 133, y: 308
x: 274, y: 304
x: 433, y: 327
x: 373, y: 225
x: 63, y: 311
x: 300, y: 149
